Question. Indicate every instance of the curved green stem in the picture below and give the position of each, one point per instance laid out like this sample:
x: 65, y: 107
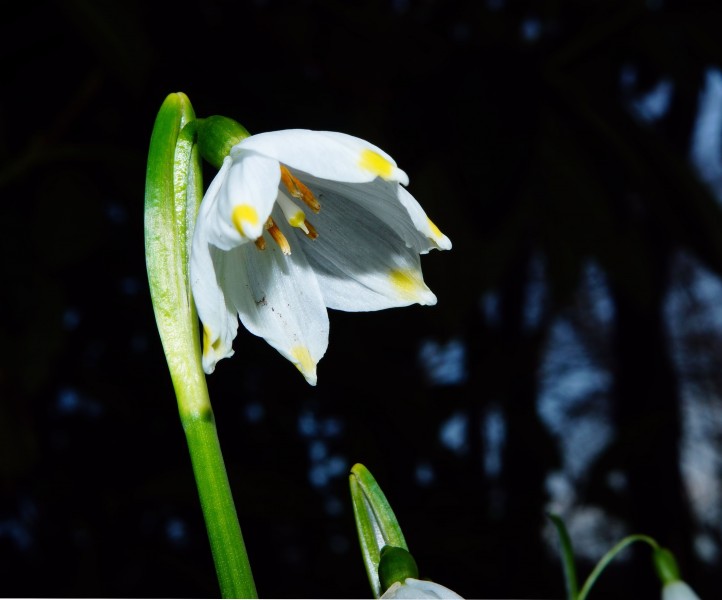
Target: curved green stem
x: 172, y: 196
x: 609, y: 556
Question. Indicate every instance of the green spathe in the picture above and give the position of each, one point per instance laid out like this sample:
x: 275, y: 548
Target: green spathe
x: 376, y: 523
x: 173, y: 193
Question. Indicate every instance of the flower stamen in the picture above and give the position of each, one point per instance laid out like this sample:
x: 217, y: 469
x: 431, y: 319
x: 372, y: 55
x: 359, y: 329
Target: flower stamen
x: 278, y: 236
x: 298, y: 190
x: 260, y: 243
x: 310, y: 230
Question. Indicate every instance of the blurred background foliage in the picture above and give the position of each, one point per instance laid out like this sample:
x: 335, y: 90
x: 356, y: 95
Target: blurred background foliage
x: 572, y: 151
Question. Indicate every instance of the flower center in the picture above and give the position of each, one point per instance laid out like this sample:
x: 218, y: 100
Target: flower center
x: 298, y: 190
x: 291, y: 211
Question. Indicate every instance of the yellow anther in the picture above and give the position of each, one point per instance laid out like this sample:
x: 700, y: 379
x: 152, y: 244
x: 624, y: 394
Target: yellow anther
x: 377, y: 164
x: 260, y: 243
x: 310, y: 230
x: 243, y: 213
x: 278, y: 236
x: 298, y: 190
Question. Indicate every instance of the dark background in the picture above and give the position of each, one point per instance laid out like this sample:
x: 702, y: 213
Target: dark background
x: 571, y: 363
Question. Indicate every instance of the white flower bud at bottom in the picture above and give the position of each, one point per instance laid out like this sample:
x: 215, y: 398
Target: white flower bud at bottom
x: 678, y: 590
x: 411, y: 589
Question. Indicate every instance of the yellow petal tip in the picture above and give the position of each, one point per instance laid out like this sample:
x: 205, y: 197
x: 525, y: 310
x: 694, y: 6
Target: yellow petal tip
x: 303, y: 361
x: 242, y: 214
x: 409, y: 284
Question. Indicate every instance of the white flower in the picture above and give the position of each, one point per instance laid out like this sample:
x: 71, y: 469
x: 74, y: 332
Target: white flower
x: 257, y: 255
x: 417, y: 588
x: 678, y: 590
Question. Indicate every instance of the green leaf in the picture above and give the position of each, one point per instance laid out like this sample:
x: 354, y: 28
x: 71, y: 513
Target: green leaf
x: 570, y: 573
x: 172, y: 194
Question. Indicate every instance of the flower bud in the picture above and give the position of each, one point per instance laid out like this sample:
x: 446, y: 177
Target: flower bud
x: 673, y: 588
x: 678, y: 590
x: 419, y: 589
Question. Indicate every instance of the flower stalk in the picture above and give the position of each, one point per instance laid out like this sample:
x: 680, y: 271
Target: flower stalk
x: 173, y: 193
x: 673, y: 588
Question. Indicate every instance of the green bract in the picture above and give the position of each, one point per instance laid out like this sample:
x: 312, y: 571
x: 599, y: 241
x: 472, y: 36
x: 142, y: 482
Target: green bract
x: 173, y: 193
x: 376, y: 524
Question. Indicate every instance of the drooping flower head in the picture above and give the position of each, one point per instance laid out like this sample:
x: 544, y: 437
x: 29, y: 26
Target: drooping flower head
x: 673, y: 588
x: 299, y: 221
x: 678, y: 590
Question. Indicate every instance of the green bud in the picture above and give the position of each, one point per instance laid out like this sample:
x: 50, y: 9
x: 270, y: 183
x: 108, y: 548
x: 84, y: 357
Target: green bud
x: 376, y: 523
x: 665, y: 565
x: 396, y: 564
x: 216, y: 136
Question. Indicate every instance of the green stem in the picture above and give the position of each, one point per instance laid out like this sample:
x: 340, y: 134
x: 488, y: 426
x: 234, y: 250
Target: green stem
x: 609, y: 556
x: 173, y: 193
x: 224, y: 532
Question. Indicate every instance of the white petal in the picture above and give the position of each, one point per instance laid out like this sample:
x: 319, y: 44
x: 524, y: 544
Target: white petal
x: 360, y: 263
x: 277, y: 298
x: 243, y: 201
x: 422, y: 222
x: 326, y: 154
x: 207, y: 218
x: 678, y: 590
x: 392, y: 204
x: 419, y: 589
x: 219, y: 321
